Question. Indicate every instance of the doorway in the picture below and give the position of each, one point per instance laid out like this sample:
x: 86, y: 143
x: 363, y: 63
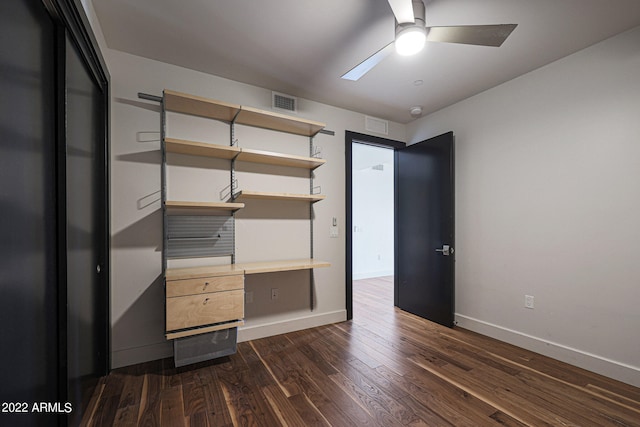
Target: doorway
x: 373, y: 211
x: 373, y: 226
x: 423, y: 225
x: 366, y: 158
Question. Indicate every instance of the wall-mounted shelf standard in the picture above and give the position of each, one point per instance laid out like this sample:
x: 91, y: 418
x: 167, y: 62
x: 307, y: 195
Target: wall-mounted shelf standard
x: 219, y: 110
x: 244, y: 194
x: 209, y: 300
x: 203, y: 206
x: 204, y: 149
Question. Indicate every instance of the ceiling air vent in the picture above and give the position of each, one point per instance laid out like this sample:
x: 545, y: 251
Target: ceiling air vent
x: 280, y: 101
x: 372, y: 124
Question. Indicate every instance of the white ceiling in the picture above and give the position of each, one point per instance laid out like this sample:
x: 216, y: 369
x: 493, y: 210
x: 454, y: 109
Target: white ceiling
x: 301, y: 48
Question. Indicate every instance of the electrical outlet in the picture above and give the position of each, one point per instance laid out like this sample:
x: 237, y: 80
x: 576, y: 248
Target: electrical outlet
x: 528, y: 301
x: 248, y: 297
x: 274, y: 293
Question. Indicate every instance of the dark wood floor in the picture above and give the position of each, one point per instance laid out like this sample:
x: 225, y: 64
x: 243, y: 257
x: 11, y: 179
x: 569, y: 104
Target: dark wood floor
x: 384, y: 368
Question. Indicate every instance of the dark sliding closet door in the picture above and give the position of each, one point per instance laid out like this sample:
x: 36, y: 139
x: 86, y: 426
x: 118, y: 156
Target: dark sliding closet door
x: 28, y: 244
x: 54, y: 285
x: 86, y: 308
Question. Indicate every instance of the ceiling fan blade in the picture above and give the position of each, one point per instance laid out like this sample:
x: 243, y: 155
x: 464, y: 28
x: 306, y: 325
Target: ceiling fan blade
x: 403, y: 10
x: 363, y: 68
x: 483, y: 35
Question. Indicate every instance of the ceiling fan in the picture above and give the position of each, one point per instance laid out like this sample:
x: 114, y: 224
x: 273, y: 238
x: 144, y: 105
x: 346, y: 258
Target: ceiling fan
x: 412, y: 33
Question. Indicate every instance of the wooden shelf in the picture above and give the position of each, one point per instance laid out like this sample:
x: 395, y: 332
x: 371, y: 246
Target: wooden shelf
x: 204, y: 149
x: 243, y: 268
x: 271, y: 158
x: 276, y: 266
x: 244, y: 194
x: 219, y: 110
x: 199, y: 106
x: 203, y: 330
x: 192, y: 306
x: 280, y: 122
x: 213, y: 206
x: 199, y: 272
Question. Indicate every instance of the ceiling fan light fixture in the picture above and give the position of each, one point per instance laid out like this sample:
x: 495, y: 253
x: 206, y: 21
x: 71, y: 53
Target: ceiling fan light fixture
x: 410, y: 40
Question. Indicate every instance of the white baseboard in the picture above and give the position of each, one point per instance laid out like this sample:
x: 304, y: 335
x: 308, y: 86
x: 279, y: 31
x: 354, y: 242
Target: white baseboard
x: 249, y: 332
x: 133, y: 356
x: 601, y: 365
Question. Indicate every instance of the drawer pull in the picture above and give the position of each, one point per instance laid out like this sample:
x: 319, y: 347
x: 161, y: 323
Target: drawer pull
x: 205, y: 286
x: 206, y: 300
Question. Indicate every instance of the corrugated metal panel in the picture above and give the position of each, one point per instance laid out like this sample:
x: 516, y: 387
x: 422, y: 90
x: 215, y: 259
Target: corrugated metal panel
x: 199, y: 348
x: 199, y: 236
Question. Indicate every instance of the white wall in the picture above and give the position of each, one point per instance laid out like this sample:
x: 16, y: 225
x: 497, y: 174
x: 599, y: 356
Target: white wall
x: 373, y: 203
x: 548, y: 193
x: 548, y: 204
x: 137, y: 295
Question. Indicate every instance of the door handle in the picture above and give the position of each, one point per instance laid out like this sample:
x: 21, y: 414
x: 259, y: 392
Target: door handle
x: 446, y: 250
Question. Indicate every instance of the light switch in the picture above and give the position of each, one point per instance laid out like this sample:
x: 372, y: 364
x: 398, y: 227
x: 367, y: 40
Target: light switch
x: 333, y: 231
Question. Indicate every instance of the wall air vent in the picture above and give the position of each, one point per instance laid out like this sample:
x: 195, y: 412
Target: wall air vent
x: 280, y: 101
x: 379, y: 167
x: 373, y: 124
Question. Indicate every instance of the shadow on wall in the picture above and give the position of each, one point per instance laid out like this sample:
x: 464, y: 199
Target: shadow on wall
x: 151, y: 106
x: 140, y: 325
x: 264, y: 169
x: 152, y: 157
x: 276, y: 210
x: 144, y: 233
x: 297, y: 294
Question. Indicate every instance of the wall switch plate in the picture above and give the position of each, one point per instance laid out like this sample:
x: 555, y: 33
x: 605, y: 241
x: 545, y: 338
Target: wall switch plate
x: 333, y: 231
x: 248, y: 297
x: 528, y: 301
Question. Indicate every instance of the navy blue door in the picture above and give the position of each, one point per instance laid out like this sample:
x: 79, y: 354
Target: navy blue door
x: 425, y: 229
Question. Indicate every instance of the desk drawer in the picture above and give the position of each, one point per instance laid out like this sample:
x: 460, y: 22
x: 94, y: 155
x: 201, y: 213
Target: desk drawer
x: 204, y: 309
x: 204, y: 285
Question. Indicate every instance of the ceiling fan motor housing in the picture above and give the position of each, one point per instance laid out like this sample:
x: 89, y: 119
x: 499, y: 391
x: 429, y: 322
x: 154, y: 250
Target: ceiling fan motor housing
x: 418, y: 16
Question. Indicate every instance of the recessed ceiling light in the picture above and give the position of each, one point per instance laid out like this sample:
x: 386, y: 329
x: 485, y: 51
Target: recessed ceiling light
x: 418, y: 83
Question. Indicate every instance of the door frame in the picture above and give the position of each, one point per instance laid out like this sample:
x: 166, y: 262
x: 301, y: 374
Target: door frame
x: 70, y: 20
x: 349, y: 139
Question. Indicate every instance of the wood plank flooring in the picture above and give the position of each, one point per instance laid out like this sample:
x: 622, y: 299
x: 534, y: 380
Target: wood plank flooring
x: 384, y: 368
